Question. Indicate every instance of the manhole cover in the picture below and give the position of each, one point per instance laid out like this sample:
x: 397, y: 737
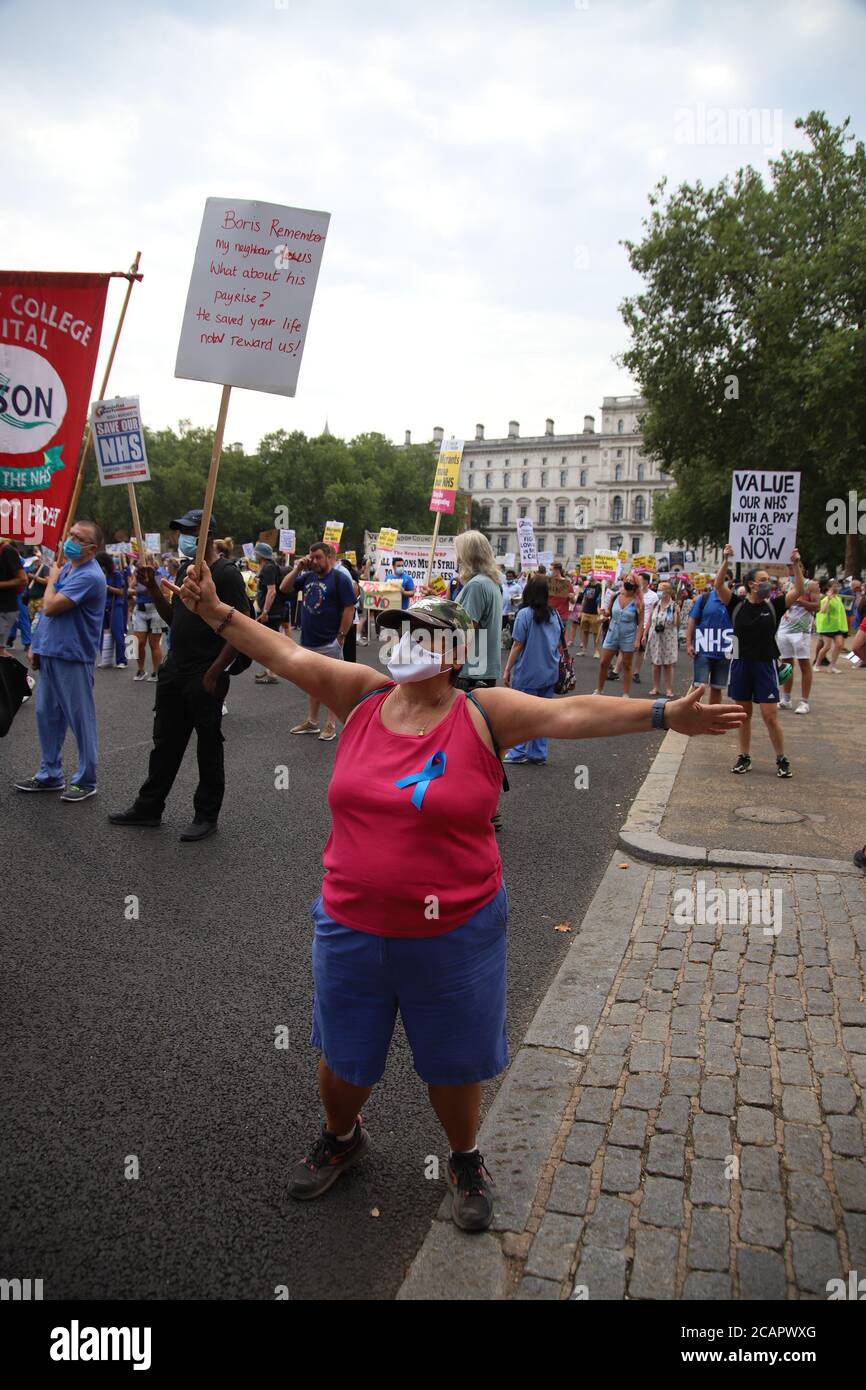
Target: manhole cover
x: 769, y: 815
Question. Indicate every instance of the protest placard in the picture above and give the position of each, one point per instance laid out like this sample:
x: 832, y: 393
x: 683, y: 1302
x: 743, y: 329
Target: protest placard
x: 249, y: 550
x: 414, y: 550
x: 558, y: 587
x: 248, y: 307
x: 250, y: 294
x: 332, y: 533
x: 764, y: 510
x: 586, y: 564
x: 545, y: 557
x: 526, y: 543
x: 351, y: 557
x: 604, y: 564
x: 287, y: 541
x: 447, y: 473
x: 153, y: 541
x: 386, y: 540
x: 381, y: 596
x: 644, y: 562
x: 508, y: 560
x: 118, y: 441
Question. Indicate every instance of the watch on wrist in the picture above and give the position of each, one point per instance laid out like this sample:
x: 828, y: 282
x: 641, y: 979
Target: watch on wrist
x: 659, y: 714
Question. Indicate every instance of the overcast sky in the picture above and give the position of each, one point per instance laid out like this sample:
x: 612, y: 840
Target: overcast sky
x: 481, y: 163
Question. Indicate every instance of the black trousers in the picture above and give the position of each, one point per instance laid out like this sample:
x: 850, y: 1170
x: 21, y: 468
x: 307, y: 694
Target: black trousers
x: 183, y: 705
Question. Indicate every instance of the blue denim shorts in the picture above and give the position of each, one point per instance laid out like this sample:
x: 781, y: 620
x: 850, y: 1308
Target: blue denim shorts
x: 449, y: 990
x: 711, y: 671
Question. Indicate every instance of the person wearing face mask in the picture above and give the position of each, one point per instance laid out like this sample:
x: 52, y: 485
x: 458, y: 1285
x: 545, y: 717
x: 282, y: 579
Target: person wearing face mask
x: 754, y: 677
x: 66, y: 644
x: 398, y: 573
x: 662, y: 646
x: 624, y: 633
x: 533, y: 660
x: 192, y: 685
x: 412, y: 914
x: 327, y: 614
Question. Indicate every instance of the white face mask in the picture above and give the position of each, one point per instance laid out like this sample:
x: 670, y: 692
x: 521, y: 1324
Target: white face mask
x: 410, y: 661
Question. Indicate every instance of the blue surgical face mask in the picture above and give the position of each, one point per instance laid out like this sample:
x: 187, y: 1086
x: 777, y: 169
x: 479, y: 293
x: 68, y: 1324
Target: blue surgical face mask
x: 187, y: 545
x: 71, y: 549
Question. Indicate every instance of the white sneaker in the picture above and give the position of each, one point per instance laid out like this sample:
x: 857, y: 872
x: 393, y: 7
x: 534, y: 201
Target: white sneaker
x: 785, y: 702
x: 625, y: 697
x: 834, y: 671
x: 855, y: 661
x: 802, y: 708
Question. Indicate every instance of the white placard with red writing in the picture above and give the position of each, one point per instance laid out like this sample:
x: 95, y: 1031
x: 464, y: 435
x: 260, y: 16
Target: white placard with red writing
x: 250, y: 294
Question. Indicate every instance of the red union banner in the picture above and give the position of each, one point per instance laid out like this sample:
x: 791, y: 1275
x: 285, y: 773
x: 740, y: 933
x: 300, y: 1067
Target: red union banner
x: 50, y: 326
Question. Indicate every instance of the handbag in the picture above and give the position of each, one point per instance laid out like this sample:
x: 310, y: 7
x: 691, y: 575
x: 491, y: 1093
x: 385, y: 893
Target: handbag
x: 566, y: 679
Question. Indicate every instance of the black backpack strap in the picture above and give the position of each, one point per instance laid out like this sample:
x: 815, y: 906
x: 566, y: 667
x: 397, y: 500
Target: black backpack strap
x: 470, y: 695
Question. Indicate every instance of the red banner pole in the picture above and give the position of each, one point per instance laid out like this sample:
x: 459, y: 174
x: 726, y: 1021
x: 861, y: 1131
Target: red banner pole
x: 131, y: 276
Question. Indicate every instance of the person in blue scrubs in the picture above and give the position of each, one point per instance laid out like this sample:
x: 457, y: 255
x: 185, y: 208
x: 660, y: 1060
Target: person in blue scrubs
x: 116, y: 605
x: 533, y: 659
x: 66, y: 644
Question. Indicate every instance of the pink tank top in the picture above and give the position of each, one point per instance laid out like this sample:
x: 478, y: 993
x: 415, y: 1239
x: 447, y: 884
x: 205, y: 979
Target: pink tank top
x: 417, y: 859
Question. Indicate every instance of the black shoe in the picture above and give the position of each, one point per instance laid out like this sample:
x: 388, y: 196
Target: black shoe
x: 133, y: 817
x: 471, y: 1195
x: 199, y: 829
x: 783, y: 767
x: 613, y: 675
x: 327, y: 1159
x: 33, y: 784
x: 743, y: 763
x: 860, y: 859
x: 636, y: 677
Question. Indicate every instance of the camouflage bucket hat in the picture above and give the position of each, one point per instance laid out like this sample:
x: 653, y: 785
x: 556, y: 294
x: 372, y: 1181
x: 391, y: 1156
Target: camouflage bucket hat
x: 430, y: 613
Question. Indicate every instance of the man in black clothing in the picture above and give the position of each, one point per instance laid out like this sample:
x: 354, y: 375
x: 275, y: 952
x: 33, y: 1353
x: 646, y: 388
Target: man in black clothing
x: 269, y: 600
x: 12, y: 576
x: 191, y: 687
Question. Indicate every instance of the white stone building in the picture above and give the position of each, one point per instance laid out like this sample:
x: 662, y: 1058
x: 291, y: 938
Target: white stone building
x: 594, y: 490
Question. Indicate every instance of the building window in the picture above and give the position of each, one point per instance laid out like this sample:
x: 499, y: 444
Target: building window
x: 543, y: 478
x: 560, y: 545
x: 563, y: 477
x: 541, y: 542
x: 617, y: 473
x: 657, y: 545
x: 614, y: 542
x: 503, y: 515
x: 635, y: 545
x: 471, y: 481
x: 506, y: 481
x: 521, y: 512
x: 580, y: 516
x: 583, y: 458
x: 524, y: 480
x: 578, y: 545
x: 619, y: 426
x: 501, y: 542
x: 487, y: 482
x: 641, y: 472
x: 583, y: 477
x: 544, y: 463
x: 616, y: 509
x: 485, y: 516
x: 564, y: 462
x: 619, y: 453
x: 542, y: 514
x: 560, y: 516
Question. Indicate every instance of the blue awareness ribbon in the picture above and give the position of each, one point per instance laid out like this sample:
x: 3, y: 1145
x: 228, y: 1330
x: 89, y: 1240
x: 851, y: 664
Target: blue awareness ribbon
x: 433, y: 768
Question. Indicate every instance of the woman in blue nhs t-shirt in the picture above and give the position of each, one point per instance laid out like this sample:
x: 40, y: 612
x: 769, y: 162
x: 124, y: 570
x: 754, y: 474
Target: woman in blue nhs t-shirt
x: 534, y: 659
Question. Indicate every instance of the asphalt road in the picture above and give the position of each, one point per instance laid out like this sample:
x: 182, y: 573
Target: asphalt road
x: 153, y: 1039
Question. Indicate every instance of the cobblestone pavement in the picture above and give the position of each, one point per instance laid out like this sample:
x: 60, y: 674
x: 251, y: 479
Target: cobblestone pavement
x: 713, y: 1147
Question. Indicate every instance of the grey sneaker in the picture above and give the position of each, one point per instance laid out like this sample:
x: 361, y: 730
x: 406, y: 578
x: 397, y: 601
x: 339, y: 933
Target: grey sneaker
x: 33, y: 784
x: 140, y: 676
x: 76, y: 793
x: 152, y: 677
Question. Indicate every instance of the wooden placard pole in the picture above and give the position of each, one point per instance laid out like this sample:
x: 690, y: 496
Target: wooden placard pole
x: 136, y: 524
x: 207, y: 507
x: 433, y: 548
x: 131, y: 276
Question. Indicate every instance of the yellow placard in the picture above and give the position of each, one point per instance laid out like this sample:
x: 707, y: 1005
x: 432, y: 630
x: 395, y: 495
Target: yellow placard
x: 386, y: 540
x: 438, y: 585
x: 644, y: 562
x: 622, y: 557
x: 333, y: 533
x: 604, y: 559
x: 586, y: 564
x: 351, y: 557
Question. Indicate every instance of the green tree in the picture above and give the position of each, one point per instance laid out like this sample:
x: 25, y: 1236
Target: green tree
x: 747, y: 339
